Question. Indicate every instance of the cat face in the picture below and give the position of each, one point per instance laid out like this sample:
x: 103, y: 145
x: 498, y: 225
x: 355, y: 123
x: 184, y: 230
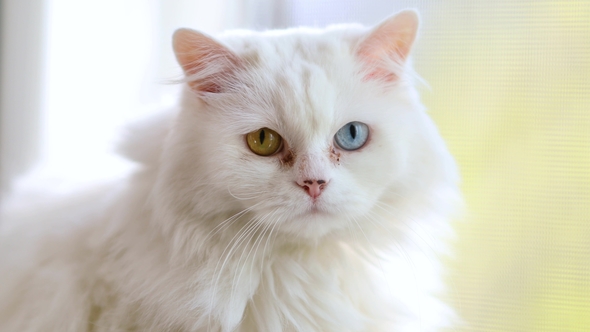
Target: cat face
x: 308, y: 131
x: 312, y: 184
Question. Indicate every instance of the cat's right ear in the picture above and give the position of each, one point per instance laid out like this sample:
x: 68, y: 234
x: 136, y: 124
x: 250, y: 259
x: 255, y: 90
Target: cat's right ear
x: 388, y: 45
x: 208, y: 65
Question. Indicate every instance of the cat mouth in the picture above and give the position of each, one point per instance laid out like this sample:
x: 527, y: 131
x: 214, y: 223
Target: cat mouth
x: 316, y: 207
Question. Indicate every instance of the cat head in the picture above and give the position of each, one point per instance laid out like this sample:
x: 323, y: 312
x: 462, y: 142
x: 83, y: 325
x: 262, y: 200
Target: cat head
x: 308, y: 132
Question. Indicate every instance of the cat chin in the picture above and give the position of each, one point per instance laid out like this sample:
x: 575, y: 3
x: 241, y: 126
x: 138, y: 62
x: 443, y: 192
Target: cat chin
x: 313, y: 225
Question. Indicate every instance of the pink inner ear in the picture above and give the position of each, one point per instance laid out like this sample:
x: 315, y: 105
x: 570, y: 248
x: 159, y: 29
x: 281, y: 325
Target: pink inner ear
x: 206, y: 63
x: 209, y: 87
x: 380, y: 74
x: 391, y: 41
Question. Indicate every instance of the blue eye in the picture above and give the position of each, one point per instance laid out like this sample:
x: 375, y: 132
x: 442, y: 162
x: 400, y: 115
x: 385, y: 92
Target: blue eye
x: 352, y: 136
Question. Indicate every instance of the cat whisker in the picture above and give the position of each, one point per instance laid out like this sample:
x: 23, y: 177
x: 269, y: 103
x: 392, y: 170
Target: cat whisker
x: 259, y: 223
x: 253, y: 195
x: 349, y: 224
x: 224, y: 224
x: 243, y: 236
x: 406, y: 257
x: 218, y: 271
x: 375, y: 218
x: 259, y: 240
x: 256, y: 244
x: 351, y: 219
x: 435, y: 253
x: 274, y: 224
x: 418, y: 234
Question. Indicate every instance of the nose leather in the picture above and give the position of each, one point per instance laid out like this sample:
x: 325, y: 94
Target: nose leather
x: 313, y: 187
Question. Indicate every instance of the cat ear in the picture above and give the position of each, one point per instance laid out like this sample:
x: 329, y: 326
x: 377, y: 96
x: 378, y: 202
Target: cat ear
x: 388, y: 45
x: 208, y: 65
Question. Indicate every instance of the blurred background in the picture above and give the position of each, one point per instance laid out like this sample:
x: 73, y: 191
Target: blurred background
x: 509, y: 87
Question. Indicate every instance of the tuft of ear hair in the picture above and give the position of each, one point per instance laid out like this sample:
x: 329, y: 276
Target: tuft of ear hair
x: 208, y: 65
x: 390, y: 41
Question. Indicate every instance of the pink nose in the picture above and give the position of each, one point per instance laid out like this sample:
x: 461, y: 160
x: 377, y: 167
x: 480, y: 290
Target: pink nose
x: 313, y: 187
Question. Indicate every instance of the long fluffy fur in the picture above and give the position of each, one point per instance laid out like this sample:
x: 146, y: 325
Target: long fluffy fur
x: 207, y: 236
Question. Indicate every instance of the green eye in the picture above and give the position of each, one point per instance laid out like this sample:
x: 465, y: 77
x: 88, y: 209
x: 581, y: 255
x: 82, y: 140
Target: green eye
x: 264, y: 141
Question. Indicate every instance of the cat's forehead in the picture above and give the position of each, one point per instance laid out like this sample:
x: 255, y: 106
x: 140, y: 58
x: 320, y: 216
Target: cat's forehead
x: 302, y: 78
x: 305, y: 99
x: 294, y: 48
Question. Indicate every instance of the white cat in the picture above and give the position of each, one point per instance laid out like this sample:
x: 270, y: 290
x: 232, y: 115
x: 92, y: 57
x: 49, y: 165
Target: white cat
x: 295, y: 186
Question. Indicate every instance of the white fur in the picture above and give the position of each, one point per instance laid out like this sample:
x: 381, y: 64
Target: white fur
x: 207, y: 236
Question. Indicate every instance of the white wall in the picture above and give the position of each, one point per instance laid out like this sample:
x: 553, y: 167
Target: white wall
x: 21, y: 72
x: 74, y: 72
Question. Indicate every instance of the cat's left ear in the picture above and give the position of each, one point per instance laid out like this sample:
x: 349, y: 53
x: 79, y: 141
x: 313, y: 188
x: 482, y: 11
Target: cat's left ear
x: 387, y: 43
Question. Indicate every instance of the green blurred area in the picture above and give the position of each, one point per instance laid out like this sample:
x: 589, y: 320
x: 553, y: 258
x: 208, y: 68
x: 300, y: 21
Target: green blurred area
x: 510, y: 91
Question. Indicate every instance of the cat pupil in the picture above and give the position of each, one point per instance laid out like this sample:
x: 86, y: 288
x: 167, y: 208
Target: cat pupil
x: 353, y: 131
x: 261, y: 137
